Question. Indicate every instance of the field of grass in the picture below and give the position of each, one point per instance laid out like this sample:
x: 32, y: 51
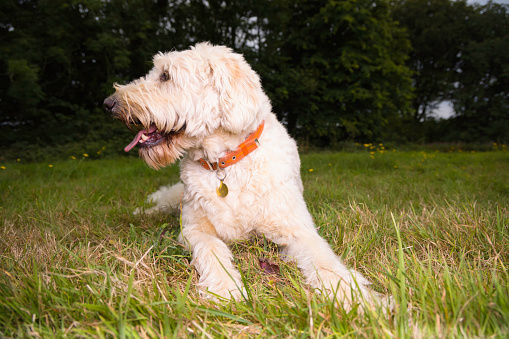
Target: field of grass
x: 429, y: 228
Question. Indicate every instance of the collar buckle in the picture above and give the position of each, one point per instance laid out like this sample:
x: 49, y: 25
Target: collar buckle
x: 206, y: 164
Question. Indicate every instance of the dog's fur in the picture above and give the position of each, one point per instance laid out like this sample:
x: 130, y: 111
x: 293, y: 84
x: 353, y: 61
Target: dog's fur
x: 204, y: 103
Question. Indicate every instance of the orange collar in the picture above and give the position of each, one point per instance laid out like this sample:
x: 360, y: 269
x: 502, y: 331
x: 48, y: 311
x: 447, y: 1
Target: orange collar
x: 233, y: 157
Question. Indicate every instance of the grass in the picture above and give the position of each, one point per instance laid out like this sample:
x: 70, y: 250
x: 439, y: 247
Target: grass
x: 429, y: 228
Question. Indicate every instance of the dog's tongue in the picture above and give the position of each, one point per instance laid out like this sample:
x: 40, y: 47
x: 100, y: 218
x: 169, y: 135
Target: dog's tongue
x: 137, y: 138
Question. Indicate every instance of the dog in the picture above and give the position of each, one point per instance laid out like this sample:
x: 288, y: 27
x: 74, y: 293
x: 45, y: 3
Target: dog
x: 240, y: 169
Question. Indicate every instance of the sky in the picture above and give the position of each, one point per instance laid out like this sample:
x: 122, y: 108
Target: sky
x: 482, y: 2
x: 444, y: 110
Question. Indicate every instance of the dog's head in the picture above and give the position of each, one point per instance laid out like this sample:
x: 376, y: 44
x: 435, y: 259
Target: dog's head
x: 185, y: 97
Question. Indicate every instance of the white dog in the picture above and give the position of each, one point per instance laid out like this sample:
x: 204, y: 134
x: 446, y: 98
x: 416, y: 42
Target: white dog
x: 240, y: 168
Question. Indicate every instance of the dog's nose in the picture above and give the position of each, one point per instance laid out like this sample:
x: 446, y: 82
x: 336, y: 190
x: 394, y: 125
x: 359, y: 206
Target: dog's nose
x: 109, y: 104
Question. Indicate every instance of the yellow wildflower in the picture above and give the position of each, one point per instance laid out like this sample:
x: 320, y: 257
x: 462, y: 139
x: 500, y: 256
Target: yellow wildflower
x: 50, y: 165
x: 311, y: 170
x: 3, y: 167
x: 73, y: 157
x: 18, y: 160
x: 85, y: 155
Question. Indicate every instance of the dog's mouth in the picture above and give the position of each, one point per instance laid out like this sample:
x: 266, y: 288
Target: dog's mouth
x: 152, y: 137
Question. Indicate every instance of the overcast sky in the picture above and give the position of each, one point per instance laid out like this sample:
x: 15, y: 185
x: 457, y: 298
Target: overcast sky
x: 485, y: 1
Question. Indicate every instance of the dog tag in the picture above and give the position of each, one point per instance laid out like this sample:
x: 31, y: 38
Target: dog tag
x: 222, y: 190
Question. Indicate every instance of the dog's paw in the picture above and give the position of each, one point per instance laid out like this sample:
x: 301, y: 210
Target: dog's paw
x: 142, y: 210
x: 225, y: 294
x: 155, y: 209
x: 361, y: 300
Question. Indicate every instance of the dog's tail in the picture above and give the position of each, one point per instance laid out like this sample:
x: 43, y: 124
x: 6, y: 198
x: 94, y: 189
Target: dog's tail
x: 166, y: 199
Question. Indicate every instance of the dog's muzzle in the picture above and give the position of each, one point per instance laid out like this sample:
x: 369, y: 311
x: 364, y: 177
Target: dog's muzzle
x: 110, y: 104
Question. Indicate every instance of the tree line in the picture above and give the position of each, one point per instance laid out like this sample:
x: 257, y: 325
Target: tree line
x: 335, y: 70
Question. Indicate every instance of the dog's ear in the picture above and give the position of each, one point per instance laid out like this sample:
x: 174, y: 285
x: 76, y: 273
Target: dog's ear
x: 238, y: 86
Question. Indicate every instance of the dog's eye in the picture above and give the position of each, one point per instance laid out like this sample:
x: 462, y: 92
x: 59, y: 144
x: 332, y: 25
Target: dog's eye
x: 165, y: 76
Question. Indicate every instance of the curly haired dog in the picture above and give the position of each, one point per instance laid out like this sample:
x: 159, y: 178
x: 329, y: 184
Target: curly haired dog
x: 240, y: 169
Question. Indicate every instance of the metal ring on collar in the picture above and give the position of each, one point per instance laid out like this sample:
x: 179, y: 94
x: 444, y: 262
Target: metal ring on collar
x: 221, y: 174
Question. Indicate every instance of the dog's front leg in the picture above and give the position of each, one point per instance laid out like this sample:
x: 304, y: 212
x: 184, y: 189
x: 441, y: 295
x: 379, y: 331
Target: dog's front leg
x: 211, y: 257
x: 322, y: 268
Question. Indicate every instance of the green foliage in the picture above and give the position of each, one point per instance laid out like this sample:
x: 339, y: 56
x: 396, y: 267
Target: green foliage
x: 342, y: 74
x: 460, y: 54
x: 437, y: 30
x: 341, y: 71
x: 334, y: 70
x: 25, y: 83
x: 481, y: 99
x: 63, y: 58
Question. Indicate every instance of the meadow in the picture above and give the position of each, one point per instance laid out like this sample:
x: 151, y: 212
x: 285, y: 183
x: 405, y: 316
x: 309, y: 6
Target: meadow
x: 429, y: 228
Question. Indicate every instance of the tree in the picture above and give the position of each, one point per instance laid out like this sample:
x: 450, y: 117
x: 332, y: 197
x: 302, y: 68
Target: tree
x: 344, y: 75
x: 437, y: 29
x: 481, y: 94
x: 333, y: 69
x: 61, y: 59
